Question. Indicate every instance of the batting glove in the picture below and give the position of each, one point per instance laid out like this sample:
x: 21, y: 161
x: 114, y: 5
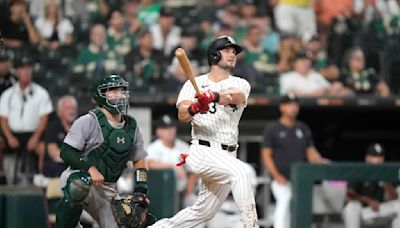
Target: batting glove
x: 197, y: 107
x: 207, y: 97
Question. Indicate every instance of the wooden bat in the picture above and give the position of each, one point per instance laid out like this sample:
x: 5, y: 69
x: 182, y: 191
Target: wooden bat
x: 187, y: 68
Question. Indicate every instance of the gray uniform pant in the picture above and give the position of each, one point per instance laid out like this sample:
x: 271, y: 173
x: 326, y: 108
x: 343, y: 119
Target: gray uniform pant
x: 98, y: 201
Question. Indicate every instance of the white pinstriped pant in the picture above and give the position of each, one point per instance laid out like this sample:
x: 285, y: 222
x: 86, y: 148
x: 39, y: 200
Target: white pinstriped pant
x: 221, y: 172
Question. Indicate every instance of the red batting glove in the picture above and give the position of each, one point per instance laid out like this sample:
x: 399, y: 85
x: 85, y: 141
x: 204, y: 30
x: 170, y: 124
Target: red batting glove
x: 197, y: 107
x: 208, y: 97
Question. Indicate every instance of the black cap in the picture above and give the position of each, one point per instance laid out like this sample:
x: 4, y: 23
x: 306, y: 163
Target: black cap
x: 166, y: 121
x: 23, y: 61
x: 375, y: 149
x: 289, y: 98
x: 302, y: 54
x: 3, y: 55
x: 166, y: 12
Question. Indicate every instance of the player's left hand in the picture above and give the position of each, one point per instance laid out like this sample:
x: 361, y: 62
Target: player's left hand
x: 207, y: 97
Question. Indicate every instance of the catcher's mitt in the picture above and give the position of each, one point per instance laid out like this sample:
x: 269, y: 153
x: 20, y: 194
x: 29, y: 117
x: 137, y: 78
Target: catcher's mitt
x: 130, y: 211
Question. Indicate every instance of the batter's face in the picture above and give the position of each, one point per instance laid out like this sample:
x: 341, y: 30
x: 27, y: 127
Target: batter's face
x: 228, y: 58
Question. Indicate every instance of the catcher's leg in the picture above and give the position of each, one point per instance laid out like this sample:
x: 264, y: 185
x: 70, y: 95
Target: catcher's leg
x: 70, y: 207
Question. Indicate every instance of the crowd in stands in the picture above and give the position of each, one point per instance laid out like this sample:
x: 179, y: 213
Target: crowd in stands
x: 349, y: 45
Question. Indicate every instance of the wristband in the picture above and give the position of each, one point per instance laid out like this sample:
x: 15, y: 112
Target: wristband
x: 141, y: 177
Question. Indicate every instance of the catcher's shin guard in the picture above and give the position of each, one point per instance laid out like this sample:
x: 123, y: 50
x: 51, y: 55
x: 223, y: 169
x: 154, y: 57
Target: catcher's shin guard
x: 70, y: 207
x: 67, y: 215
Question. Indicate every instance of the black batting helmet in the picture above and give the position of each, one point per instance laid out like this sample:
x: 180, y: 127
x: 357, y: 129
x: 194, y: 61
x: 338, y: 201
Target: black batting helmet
x: 213, y: 54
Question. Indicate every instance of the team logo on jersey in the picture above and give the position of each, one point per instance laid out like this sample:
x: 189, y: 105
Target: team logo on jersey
x: 299, y: 133
x: 120, y: 140
x: 234, y: 107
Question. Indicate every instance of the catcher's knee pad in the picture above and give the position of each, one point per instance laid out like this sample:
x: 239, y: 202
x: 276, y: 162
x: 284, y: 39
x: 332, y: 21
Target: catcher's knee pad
x: 77, y: 187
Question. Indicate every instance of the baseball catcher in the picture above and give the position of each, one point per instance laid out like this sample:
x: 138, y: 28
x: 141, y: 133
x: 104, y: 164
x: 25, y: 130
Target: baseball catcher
x: 97, y: 149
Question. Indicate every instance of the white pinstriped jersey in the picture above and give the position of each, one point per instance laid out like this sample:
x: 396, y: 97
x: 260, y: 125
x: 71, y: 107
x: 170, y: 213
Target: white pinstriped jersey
x: 220, y: 123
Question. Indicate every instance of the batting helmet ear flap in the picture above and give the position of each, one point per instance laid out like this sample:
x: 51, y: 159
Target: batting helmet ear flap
x: 214, y: 56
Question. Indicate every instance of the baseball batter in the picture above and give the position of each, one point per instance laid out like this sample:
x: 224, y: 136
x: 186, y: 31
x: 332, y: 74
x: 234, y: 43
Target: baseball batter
x: 97, y: 148
x: 215, y: 116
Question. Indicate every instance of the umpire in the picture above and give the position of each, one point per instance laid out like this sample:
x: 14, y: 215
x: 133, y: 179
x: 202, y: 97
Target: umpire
x: 285, y: 142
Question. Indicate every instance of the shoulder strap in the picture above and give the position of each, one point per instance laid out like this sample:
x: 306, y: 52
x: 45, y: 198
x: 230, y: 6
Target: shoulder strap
x: 130, y: 125
x: 102, y: 120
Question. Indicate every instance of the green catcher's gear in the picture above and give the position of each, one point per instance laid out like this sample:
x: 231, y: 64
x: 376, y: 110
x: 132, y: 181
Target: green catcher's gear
x: 111, y: 156
x: 131, y: 211
x: 70, y: 207
x: 99, y: 88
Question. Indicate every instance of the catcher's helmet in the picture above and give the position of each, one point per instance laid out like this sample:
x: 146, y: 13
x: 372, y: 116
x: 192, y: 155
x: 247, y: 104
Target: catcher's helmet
x: 99, y: 88
x: 213, y: 54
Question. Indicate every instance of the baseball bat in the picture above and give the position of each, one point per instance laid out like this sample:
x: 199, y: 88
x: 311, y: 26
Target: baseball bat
x: 187, y: 68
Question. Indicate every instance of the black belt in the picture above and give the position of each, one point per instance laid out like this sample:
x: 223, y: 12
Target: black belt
x: 223, y: 146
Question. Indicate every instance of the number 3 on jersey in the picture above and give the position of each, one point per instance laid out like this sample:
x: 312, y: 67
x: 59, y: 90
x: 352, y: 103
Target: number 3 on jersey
x: 213, y: 108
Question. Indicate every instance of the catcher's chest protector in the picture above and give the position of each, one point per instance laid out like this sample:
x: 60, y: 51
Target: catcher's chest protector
x: 111, y: 156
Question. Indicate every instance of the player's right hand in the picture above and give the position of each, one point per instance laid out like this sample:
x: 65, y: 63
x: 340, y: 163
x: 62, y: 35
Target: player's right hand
x: 197, y: 107
x: 96, y: 176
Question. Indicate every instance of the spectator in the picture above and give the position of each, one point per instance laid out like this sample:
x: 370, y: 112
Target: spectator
x: 144, y: 61
x: 319, y: 58
x: 164, y: 152
x: 53, y: 28
x: 254, y: 53
x: 148, y: 12
x: 166, y: 35
x: 179, y: 77
x: 189, y: 43
x: 288, y: 47
x: 17, y: 29
x: 360, y: 79
x: 97, y: 58
x: 295, y: 17
x: 6, y: 81
x: 303, y: 81
x: 54, y: 135
x: 285, y: 142
x: 366, y: 202
x: 132, y: 23
x: 117, y: 38
x: 24, y: 113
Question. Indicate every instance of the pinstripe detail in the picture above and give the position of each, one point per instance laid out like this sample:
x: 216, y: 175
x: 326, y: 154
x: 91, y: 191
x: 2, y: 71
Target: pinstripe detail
x: 220, y: 170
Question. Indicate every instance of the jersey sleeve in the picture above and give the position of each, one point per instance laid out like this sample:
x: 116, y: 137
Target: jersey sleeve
x: 268, y: 141
x: 245, y: 86
x: 153, y: 152
x: 80, y: 132
x: 4, y: 104
x: 187, y: 93
x: 308, y: 134
x: 46, y: 106
x: 138, y: 151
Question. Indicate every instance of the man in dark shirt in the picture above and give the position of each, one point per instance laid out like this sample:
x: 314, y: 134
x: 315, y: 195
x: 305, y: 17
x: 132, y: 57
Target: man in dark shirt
x: 366, y: 202
x: 67, y: 110
x: 17, y: 28
x: 286, y: 141
x: 6, y: 81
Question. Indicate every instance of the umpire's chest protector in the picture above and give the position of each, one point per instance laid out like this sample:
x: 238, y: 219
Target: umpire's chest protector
x: 111, y: 156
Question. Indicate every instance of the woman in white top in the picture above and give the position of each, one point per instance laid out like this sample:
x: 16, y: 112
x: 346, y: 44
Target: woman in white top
x: 53, y: 28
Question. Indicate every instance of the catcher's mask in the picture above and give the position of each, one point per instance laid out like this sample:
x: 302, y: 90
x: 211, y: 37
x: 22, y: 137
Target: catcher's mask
x: 111, y: 92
